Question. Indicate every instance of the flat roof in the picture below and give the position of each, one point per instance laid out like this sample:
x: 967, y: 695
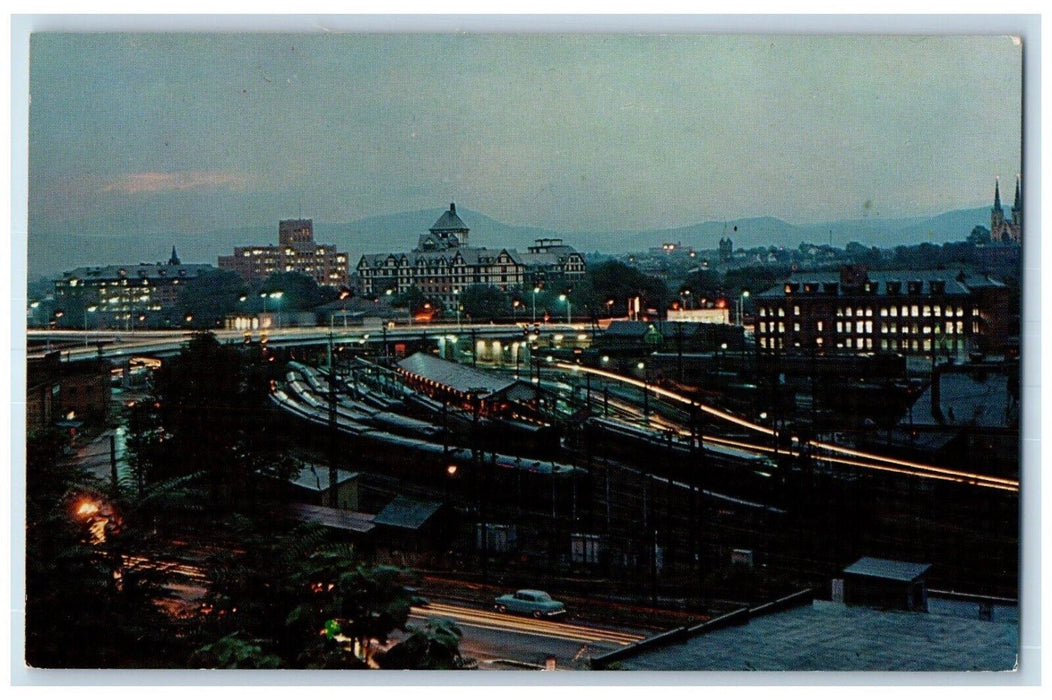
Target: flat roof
x: 889, y: 569
x: 827, y: 636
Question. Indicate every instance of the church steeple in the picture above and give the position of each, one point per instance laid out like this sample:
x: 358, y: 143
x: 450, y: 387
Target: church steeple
x: 174, y: 260
x: 997, y: 194
x: 1017, y: 207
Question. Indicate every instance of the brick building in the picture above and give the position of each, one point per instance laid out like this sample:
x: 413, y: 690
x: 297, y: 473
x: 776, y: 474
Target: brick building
x: 911, y: 312
x: 296, y: 252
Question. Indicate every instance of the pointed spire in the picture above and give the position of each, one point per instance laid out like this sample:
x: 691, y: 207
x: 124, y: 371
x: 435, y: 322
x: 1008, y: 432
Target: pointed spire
x: 1018, y: 196
x: 174, y: 260
x: 997, y: 194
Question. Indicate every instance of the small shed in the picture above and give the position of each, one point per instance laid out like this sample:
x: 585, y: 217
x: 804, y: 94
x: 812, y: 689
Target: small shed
x: 887, y: 583
x: 352, y: 525
x: 311, y: 485
x: 409, y: 523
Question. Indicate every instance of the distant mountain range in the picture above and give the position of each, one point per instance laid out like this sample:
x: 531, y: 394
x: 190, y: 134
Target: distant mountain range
x: 399, y: 232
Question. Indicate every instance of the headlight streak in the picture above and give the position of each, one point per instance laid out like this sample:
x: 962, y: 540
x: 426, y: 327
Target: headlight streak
x: 511, y: 623
x: 910, y: 468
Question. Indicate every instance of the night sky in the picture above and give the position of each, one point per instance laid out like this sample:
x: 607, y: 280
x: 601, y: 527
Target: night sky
x: 178, y: 134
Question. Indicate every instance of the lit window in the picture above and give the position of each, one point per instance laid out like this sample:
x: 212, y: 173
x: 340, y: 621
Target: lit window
x: 927, y: 310
x: 883, y: 312
x: 869, y: 326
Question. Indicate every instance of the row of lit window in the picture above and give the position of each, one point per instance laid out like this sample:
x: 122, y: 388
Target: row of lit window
x: 909, y: 311
x: 905, y: 345
x: 867, y: 327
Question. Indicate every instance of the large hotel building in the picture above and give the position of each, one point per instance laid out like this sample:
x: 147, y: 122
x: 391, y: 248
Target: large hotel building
x: 126, y: 296
x: 443, y: 264
x: 296, y: 252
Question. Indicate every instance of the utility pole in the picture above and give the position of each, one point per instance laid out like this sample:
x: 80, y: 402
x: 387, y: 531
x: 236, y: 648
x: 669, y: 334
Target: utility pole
x: 333, y: 478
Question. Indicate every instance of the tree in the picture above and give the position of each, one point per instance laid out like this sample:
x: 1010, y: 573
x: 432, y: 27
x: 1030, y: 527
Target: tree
x: 980, y: 235
x: 299, y: 292
x: 209, y: 416
x: 619, y: 282
x: 206, y: 299
x: 87, y: 605
x: 310, y: 602
x: 481, y: 302
x: 434, y: 646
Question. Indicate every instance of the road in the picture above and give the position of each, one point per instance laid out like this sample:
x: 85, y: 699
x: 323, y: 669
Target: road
x: 509, y: 641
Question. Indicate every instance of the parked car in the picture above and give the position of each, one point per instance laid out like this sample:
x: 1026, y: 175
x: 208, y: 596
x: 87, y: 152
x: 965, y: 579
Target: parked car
x: 529, y: 602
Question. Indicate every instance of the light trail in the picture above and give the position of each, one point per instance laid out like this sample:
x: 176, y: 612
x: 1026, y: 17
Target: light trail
x: 512, y: 623
x: 906, y: 467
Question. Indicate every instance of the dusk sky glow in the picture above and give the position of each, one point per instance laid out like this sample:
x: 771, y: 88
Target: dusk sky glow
x: 567, y: 132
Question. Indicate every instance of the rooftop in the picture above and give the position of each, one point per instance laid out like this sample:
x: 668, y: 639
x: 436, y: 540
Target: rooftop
x: 828, y: 636
x: 407, y: 513
x: 458, y: 377
x: 317, y: 478
x: 978, y: 399
x: 887, y: 569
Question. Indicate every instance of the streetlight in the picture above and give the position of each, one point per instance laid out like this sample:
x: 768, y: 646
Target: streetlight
x: 273, y: 295
x: 563, y: 297
x: 641, y: 366
x: 741, y: 306
x: 456, y: 301
x: 87, y: 310
x: 535, y: 290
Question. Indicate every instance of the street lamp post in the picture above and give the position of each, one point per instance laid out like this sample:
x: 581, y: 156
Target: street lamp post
x: 87, y: 310
x: 563, y: 297
x: 535, y: 290
x: 741, y: 306
x: 456, y: 301
x: 273, y: 295
x: 646, y: 393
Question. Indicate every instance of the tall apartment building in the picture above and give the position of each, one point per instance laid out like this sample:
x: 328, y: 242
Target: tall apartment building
x: 296, y: 252
x: 914, y: 312
x: 442, y: 264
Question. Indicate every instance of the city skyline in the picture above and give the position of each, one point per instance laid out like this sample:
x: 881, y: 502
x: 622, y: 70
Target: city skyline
x: 181, y: 134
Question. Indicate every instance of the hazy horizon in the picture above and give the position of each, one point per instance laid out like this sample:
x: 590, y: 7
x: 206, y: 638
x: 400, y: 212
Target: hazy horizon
x: 139, y: 138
